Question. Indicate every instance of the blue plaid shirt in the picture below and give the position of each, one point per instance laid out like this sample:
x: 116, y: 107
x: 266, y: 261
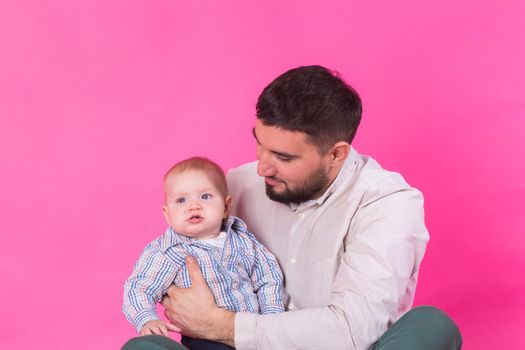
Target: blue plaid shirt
x: 243, y: 276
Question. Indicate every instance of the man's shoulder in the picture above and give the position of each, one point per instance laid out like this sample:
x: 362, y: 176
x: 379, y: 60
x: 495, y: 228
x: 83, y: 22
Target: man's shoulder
x: 374, y: 180
x: 243, y: 178
x: 243, y: 173
x: 248, y: 192
x: 373, y: 174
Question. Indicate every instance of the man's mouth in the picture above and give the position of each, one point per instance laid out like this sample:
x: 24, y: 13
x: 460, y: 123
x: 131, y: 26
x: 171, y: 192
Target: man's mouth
x: 195, y: 219
x: 271, y: 181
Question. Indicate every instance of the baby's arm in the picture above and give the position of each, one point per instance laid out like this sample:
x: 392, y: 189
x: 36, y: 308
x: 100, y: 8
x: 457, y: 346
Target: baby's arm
x: 267, y: 280
x: 151, y: 278
x: 158, y: 327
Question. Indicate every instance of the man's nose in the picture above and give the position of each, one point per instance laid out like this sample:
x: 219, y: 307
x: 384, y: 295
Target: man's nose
x: 265, y: 166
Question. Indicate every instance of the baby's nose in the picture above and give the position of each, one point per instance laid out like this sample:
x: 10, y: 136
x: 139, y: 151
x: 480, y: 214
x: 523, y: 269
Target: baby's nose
x: 195, y: 205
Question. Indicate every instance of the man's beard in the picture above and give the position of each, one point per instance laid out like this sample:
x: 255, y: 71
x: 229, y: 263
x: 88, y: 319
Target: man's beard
x: 310, y: 188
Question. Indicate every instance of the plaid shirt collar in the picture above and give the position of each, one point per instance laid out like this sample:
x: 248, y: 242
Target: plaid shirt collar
x: 231, y: 224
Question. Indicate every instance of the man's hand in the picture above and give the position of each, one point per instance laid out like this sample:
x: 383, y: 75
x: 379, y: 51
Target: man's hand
x: 194, y: 311
x: 158, y: 327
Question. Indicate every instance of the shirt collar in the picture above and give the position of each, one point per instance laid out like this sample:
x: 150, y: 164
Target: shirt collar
x: 348, y: 168
x: 171, y: 238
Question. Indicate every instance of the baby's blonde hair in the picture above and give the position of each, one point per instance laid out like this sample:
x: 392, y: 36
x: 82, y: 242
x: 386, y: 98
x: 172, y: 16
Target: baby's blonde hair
x: 210, y: 168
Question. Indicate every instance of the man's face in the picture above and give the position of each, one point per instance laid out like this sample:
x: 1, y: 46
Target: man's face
x: 292, y: 168
x: 194, y: 206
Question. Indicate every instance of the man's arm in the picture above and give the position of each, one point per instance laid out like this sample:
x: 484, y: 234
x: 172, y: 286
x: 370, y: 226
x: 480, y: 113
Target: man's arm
x: 381, y: 259
x: 380, y: 262
x: 194, y: 311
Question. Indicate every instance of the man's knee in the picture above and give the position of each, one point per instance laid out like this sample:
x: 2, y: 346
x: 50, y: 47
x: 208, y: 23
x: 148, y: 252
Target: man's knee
x: 152, y: 342
x: 423, y: 327
x: 437, y: 318
x: 438, y: 325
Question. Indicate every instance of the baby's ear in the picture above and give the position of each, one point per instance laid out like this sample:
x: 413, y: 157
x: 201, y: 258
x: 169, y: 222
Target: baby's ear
x: 165, y: 213
x: 227, y: 206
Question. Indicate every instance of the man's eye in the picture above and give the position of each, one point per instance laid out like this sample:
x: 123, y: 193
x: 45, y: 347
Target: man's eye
x: 206, y: 196
x: 284, y: 159
x: 180, y: 200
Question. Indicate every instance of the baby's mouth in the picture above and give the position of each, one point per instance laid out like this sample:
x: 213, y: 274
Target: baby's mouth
x: 195, y: 218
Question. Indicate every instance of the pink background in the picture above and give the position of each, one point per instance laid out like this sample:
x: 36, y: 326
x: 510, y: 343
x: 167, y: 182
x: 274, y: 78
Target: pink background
x: 98, y: 98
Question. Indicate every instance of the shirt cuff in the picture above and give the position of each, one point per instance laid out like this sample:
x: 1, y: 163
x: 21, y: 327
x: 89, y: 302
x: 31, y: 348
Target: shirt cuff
x: 144, y: 317
x: 245, y: 323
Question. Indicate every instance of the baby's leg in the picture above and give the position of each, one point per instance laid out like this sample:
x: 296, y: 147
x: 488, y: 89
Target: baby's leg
x: 152, y: 342
x: 201, y: 344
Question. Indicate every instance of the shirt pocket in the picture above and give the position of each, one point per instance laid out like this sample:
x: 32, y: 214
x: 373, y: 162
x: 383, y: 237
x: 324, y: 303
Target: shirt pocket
x: 313, y: 283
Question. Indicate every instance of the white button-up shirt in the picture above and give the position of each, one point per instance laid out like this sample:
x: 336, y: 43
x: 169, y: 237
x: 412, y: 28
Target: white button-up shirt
x: 350, y: 257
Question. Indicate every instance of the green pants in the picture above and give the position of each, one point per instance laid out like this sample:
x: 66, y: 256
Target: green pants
x: 422, y: 328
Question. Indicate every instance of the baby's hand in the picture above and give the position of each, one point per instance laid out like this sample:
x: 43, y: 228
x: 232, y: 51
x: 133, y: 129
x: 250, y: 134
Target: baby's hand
x: 158, y: 327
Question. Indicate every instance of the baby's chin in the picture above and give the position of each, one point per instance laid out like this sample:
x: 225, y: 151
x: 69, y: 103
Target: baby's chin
x: 200, y: 235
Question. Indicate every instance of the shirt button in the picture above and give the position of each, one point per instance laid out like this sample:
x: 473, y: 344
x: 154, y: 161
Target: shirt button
x: 301, y: 215
x: 291, y: 306
x: 292, y: 260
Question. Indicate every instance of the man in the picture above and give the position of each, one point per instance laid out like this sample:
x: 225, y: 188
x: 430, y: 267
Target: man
x: 348, y: 234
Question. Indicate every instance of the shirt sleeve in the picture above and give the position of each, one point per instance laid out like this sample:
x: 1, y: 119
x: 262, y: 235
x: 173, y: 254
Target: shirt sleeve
x: 383, y: 248
x: 149, y: 281
x: 267, y: 280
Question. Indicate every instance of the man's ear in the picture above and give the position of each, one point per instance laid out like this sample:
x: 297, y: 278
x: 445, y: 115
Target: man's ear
x: 227, y: 206
x: 165, y: 213
x: 338, y: 153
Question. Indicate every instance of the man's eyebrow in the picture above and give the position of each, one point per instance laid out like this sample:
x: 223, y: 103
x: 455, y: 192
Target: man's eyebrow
x: 280, y: 154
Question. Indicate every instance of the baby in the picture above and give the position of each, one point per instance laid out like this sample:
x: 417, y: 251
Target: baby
x: 240, y: 272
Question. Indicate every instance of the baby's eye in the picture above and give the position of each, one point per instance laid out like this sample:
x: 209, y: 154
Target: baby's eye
x: 180, y: 200
x: 206, y: 196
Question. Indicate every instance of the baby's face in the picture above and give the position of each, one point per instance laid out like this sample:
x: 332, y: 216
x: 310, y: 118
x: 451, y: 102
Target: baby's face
x: 194, y: 207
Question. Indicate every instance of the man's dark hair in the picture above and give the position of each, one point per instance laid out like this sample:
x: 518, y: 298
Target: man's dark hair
x: 313, y: 100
